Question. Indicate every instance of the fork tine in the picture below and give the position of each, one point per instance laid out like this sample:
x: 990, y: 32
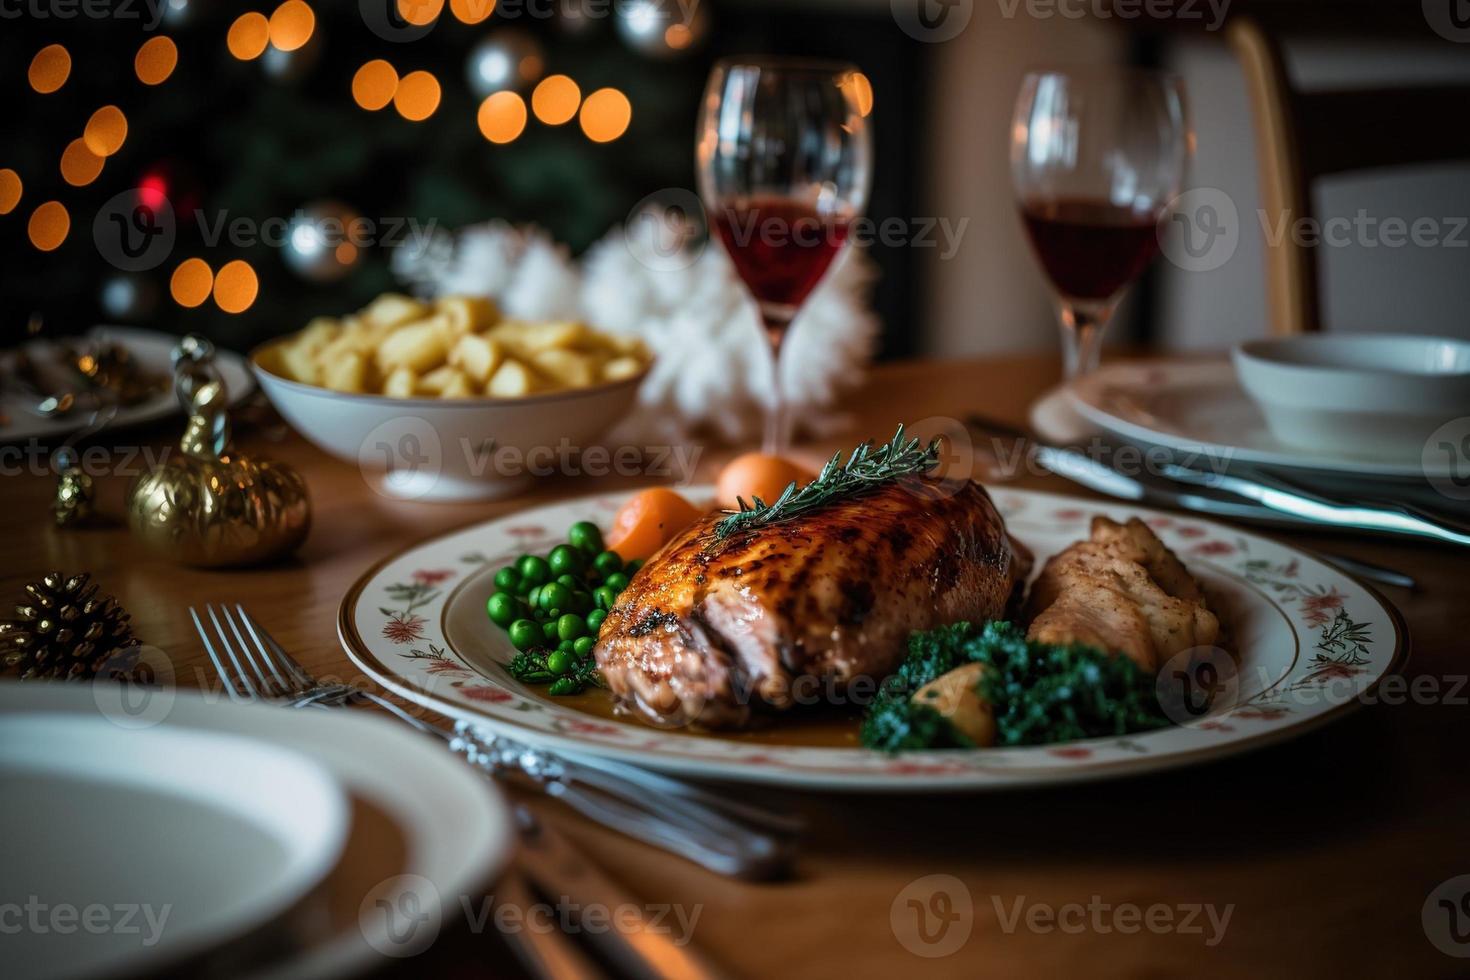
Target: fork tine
x: 295, y: 685
x: 214, y: 658
x: 292, y: 666
x: 224, y: 640
x: 266, y: 687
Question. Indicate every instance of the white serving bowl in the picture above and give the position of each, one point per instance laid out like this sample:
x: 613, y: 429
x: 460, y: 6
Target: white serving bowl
x: 447, y: 448
x: 1369, y: 395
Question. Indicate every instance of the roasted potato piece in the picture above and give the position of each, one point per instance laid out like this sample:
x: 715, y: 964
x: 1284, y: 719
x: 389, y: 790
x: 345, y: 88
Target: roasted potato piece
x: 956, y: 696
x: 401, y: 383
x: 459, y: 386
x: 620, y: 368
x: 567, y: 367
x: 557, y: 336
x: 477, y: 357
x: 348, y: 373
x: 392, y: 309
x: 434, y: 382
x: 420, y: 346
x: 467, y: 314
x: 513, y: 379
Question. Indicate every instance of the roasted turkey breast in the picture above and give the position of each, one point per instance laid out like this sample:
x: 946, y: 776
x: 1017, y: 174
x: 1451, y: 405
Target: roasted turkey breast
x: 716, y: 630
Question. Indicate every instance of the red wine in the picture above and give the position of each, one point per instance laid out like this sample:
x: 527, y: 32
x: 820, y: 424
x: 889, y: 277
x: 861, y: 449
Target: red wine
x: 780, y: 247
x: 1090, y: 249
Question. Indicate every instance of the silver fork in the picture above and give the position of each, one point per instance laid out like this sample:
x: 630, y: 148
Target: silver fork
x: 730, y: 837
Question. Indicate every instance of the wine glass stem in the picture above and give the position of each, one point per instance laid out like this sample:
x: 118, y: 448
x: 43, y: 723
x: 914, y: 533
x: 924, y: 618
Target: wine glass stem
x: 777, y: 437
x: 1082, y: 334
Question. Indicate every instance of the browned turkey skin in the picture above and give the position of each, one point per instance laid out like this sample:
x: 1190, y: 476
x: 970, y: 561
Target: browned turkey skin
x: 715, y: 631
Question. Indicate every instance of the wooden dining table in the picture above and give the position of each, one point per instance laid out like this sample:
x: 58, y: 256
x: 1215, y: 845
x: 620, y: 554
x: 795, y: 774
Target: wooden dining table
x: 1324, y: 849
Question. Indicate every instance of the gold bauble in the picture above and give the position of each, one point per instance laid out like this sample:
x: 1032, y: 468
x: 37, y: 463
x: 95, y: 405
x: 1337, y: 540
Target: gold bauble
x: 209, y: 506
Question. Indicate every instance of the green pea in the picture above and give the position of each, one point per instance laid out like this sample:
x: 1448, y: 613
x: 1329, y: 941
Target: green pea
x: 566, y: 560
x: 524, y: 634
x: 581, y: 602
x: 535, y: 570
x: 606, y: 597
x: 632, y: 567
x: 559, y: 662
x: 554, y: 595
x: 563, y: 686
x: 503, y: 609
x: 533, y: 598
x: 594, y: 620
x: 570, y: 626
x: 507, y: 579
x: 585, y: 537
x: 567, y: 646
x: 582, y: 645
x: 607, y: 563
x: 548, y: 631
x: 617, y: 581
x: 570, y: 581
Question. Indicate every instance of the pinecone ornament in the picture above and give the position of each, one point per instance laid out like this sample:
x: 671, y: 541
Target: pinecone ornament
x: 66, y: 630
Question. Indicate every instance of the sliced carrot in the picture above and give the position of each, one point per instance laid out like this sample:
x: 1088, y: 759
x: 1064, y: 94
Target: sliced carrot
x: 647, y: 521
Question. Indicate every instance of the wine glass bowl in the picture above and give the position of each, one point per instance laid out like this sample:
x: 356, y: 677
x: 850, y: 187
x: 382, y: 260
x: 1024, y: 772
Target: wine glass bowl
x: 1096, y: 157
x: 783, y: 153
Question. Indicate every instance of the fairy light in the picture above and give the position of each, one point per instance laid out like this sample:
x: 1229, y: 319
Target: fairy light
x: 605, y: 115
x: 106, y: 131
x: 156, y: 60
x: 49, y: 226
x: 10, y: 190
x: 79, y: 165
x: 236, y: 286
x: 417, y: 96
x: 420, y: 13
x: 191, y: 283
x: 502, y: 117
x: 471, y: 11
x: 374, y: 85
x: 249, y: 36
x: 50, y: 69
x: 555, y: 99
x: 291, y: 25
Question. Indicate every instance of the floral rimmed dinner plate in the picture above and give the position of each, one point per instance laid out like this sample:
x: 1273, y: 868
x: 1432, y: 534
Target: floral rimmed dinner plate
x: 1310, y: 642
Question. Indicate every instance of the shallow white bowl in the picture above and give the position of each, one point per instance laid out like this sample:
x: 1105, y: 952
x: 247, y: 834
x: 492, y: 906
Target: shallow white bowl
x: 447, y: 448
x: 1369, y: 395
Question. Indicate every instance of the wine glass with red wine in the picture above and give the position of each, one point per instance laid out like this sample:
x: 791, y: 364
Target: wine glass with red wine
x: 1097, y: 154
x: 783, y: 153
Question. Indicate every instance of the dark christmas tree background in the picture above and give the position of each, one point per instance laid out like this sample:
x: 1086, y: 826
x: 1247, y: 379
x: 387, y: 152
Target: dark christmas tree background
x: 228, y: 139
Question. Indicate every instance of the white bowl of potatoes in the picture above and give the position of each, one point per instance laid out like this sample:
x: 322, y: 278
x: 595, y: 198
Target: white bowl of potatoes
x: 446, y: 400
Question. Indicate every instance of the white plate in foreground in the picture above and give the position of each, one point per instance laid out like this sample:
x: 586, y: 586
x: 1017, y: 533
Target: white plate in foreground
x: 1310, y: 641
x: 1197, y: 408
x: 136, y: 787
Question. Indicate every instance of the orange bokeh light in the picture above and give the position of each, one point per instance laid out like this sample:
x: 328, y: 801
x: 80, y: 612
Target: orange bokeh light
x: 555, y: 100
x: 502, y: 117
x: 10, y: 188
x: 156, y: 60
x: 417, y: 96
x: 420, y: 13
x: 857, y: 88
x: 236, y: 286
x: 248, y: 36
x: 191, y: 283
x: 374, y: 84
x: 79, y: 165
x: 50, y: 69
x: 106, y: 131
x: 292, y: 24
x: 471, y: 11
x: 605, y: 115
x: 49, y: 226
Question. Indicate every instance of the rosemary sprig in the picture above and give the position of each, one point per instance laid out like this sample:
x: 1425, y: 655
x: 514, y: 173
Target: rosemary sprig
x: 866, y: 469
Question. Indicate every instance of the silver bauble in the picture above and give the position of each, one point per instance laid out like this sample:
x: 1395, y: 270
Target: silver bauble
x: 319, y: 245
x: 661, y: 28
x: 507, y: 60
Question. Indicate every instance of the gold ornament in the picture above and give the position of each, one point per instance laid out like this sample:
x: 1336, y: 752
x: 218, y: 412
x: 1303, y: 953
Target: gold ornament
x: 207, y: 505
x: 66, y: 630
